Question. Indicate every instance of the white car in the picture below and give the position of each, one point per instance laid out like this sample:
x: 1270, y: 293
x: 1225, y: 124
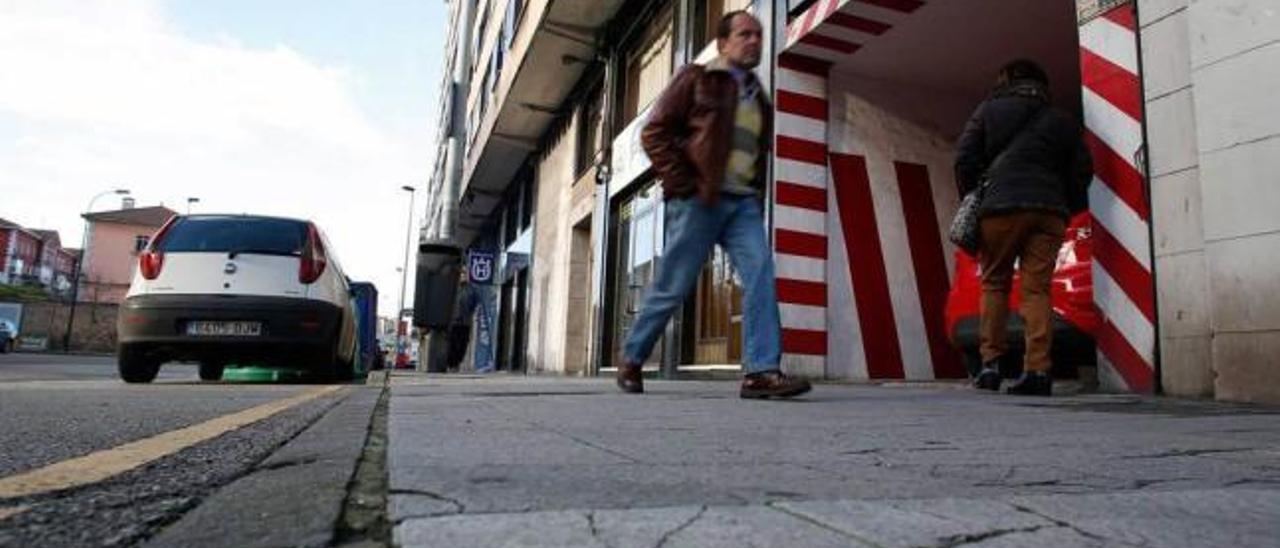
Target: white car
x: 237, y: 289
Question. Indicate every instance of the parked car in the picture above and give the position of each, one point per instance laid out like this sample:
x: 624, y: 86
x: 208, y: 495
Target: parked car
x: 8, y: 336
x: 1074, y: 316
x: 237, y: 289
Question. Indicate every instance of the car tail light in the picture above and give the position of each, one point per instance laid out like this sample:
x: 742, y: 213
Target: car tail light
x: 151, y: 260
x: 313, y: 257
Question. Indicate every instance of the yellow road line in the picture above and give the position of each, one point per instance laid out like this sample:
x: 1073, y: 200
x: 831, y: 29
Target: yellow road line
x: 101, y: 465
x: 12, y: 511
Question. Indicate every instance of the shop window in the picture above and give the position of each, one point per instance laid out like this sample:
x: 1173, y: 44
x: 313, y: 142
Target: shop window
x: 648, y: 65
x: 708, y: 17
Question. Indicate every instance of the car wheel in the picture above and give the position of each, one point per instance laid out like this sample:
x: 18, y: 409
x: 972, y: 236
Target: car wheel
x: 137, y: 365
x: 211, y: 371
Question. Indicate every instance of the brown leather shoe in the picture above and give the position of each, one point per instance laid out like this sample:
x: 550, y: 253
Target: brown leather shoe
x: 629, y: 379
x: 772, y: 384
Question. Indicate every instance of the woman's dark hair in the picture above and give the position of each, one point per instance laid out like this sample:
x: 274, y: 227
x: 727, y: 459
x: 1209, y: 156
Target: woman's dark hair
x: 1022, y: 69
x: 725, y: 27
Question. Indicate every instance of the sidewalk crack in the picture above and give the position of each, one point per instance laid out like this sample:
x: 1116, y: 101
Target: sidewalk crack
x: 571, y: 437
x: 286, y: 464
x: 1060, y: 523
x: 663, y: 541
x: 1174, y: 453
x: 459, y: 507
x: 595, y: 530
x: 810, y: 520
x: 961, y: 540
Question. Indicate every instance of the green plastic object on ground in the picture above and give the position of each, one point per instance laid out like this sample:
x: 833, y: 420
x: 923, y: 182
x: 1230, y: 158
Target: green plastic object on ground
x: 252, y: 373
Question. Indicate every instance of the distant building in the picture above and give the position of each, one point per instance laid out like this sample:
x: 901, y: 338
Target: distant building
x: 19, y: 254
x: 111, y: 250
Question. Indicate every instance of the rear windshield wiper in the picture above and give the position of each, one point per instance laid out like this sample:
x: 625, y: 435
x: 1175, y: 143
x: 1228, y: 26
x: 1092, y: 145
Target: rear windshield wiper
x: 259, y: 251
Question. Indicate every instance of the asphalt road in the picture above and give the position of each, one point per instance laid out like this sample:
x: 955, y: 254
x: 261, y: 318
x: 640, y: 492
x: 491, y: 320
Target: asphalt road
x: 57, y: 409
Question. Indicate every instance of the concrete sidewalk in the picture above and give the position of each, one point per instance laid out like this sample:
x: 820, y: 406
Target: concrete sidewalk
x: 535, y: 461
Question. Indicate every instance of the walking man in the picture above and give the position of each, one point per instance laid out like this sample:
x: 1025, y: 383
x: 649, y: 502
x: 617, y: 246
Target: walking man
x: 1038, y: 171
x: 708, y: 138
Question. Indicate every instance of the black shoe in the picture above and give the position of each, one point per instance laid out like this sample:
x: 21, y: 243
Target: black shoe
x: 630, y: 379
x: 989, y: 378
x: 1032, y: 384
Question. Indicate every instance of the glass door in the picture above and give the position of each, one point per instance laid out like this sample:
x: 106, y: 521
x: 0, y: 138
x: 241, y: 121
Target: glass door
x: 638, y: 230
x: 717, y: 313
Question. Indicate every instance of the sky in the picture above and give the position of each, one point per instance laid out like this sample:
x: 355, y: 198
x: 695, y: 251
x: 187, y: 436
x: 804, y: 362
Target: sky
x: 312, y: 109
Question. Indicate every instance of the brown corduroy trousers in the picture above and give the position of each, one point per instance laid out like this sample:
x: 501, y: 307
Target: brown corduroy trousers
x: 1031, y: 239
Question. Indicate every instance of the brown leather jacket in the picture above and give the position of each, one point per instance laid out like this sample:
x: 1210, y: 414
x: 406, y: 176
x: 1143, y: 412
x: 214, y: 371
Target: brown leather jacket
x: 690, y: 131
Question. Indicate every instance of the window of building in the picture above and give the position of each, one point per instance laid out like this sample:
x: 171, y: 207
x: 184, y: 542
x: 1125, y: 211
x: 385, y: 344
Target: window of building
x: 140, y: 243
x: 475, y: 116
x: 708, y: 15
x: 526, y: 203
x: 515, y: 9
x: 517, y: 208
x: 477, y: 40
x: 590, y: 122
x: 648, y: 65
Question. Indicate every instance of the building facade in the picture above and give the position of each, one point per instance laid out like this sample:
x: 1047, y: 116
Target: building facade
x: 871, y: 95
x: 114, y: 241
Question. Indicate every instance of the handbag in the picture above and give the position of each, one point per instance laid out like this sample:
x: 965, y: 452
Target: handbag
x: 964, y: 231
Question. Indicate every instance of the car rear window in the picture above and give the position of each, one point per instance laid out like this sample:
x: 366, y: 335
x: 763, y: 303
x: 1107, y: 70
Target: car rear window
x: 226, y: 234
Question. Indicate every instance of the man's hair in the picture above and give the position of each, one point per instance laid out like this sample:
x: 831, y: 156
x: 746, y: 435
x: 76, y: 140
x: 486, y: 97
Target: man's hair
x: 1022, y: 69
x: 725, y: 27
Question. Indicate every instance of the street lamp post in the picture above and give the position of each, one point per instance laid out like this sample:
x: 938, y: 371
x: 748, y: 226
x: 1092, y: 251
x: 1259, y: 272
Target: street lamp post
x: 191, y: 200
x: 84, y: 250
x: 401, y: 338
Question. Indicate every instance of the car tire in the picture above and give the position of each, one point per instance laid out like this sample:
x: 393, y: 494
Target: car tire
x: 137, y: 365
x: 341, y: 369
x: 211, y: 371
x: 5, y: 346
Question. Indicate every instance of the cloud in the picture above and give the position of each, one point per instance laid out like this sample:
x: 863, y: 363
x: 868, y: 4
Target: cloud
x: 99, y: 94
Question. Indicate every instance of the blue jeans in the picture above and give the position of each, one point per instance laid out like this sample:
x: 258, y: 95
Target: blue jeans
x: 736, y: 223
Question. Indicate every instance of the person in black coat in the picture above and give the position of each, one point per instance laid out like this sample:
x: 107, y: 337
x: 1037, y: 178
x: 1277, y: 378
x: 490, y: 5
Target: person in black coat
x: 1031, y: 193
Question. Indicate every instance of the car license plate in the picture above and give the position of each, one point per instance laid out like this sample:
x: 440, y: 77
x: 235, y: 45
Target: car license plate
x: 224, y: 329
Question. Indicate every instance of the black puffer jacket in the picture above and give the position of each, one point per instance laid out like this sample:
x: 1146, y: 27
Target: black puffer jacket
x: 1051, y: 168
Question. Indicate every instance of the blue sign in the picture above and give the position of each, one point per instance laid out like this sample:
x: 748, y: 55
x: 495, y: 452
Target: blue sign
x: 480, y: 267
x: 485, y: 346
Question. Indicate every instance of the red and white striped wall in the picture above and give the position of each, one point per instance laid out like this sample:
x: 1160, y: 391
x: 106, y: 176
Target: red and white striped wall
x: 891, y: 190
x: 800, y: 211
x: 812, y: 182
x: 1122, y: 277
x: 832, y: 29
x: 862, y: 267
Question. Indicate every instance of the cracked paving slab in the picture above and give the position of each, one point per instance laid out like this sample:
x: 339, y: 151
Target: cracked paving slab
x: 1174, y: 519
x: 685, y: 526
x: 839, y: 462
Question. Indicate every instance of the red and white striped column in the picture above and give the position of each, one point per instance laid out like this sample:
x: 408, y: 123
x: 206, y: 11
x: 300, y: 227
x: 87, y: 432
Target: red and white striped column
x: 800, y: 211
x: 1123, y: 286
